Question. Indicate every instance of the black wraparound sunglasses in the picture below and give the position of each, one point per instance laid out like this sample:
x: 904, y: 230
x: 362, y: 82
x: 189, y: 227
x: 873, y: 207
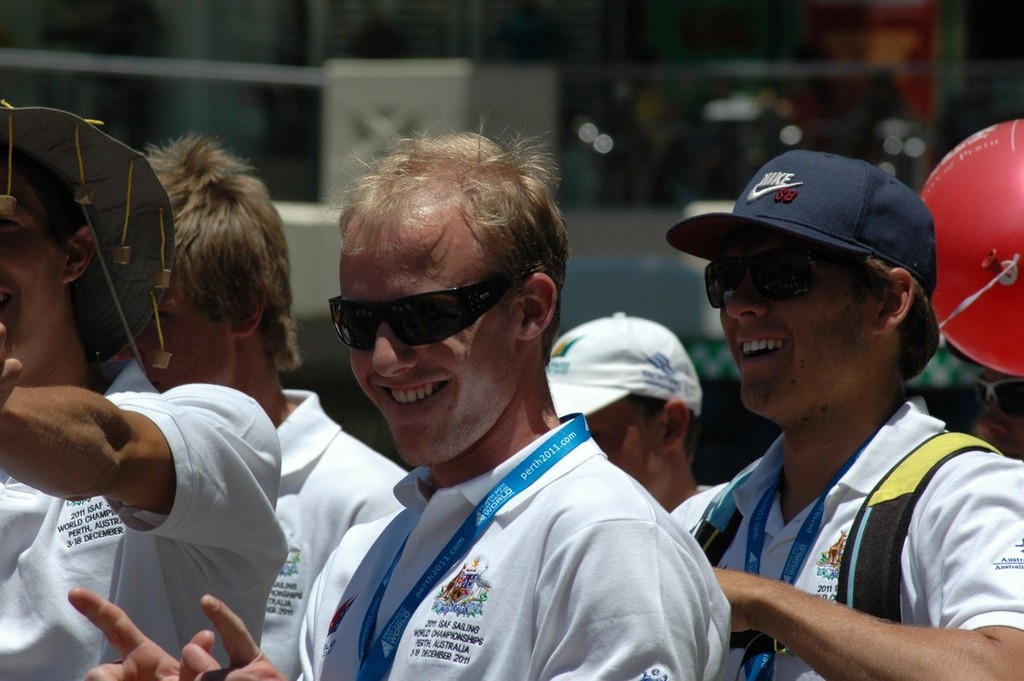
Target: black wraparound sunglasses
x: 419, y: 319
x: 777, y: 274
x: 1007, y: 393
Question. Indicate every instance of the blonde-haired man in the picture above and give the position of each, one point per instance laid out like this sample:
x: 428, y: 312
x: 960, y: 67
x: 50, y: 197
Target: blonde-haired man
x: 226, y: 318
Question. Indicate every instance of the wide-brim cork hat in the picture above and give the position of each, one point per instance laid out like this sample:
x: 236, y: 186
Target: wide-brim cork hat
x: 127, y: 209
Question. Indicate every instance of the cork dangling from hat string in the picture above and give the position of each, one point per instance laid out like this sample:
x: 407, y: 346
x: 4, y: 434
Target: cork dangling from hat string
x: 161, y: 358
x: 7, y: 201
x: 122, y: 254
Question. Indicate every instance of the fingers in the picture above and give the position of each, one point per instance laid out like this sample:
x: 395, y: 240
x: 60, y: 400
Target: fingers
x: 238, y: 643
x: 11, y: 370
x: 197, y: 656
x: 10, y: 376
x: 108, y: 618
x: 195, y: 661
x: 106, y: 672
x: 204, y: 640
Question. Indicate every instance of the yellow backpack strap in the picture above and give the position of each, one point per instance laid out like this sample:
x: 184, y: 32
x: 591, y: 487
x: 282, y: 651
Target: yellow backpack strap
x: 870, y: 573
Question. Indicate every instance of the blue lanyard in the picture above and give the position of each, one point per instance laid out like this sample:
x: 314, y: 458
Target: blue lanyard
x: 761, y: 667
x: 376, y: 659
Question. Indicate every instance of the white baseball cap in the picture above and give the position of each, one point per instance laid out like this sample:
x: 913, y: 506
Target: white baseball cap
x: 604, y: 360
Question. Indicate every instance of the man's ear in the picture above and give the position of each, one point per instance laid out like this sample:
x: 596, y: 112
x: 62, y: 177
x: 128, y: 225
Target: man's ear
x: 80, y: 249
x: 676, y: 419
x: 897, y: 299
x: 253, y: 317
x: 539, y: 298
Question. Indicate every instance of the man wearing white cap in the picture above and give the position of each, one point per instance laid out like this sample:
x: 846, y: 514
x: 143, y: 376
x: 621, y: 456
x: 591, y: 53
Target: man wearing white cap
x: 637, y: 386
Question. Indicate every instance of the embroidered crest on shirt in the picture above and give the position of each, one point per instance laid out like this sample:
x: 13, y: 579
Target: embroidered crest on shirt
x: 465, y: 594
x: 291, y: 565
x: 332, y: 640
x: 338, y: 615
x: 287, y: 593
x: 654, y: 674
x: 829, y: 561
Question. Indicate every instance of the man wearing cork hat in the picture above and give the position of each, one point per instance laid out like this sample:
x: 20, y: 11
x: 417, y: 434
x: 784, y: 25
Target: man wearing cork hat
x: 635, y: 383
x: 150, y: 499
x: 823, y: 274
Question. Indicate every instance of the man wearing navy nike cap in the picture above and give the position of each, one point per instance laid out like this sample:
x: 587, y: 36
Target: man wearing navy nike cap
x: 823, y: 274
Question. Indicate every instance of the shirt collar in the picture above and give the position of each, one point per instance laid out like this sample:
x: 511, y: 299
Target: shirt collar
x: 306, y: 433
x: 909, y: 425
x: 416, y: 488
x: 125, y: 376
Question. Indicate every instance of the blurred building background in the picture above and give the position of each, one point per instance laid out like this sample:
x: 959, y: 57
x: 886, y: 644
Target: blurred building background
x: 653, y: 108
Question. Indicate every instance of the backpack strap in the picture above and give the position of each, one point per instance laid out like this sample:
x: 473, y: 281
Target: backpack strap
x: 875, y: 545
x: 715, y: 532
x: 870, y: 573
x: 717, y: 527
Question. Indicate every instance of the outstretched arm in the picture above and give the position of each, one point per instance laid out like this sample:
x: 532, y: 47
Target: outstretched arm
x: 74, y: 443
x: 143, y: 660
x: 843, y: 644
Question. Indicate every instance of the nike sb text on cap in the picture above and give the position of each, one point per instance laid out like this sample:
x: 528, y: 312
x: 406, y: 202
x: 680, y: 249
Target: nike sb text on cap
x: 844, y: 204
x: 606, y: 359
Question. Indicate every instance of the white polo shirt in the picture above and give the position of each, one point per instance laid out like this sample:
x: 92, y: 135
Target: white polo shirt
x: 221, y: 537
x: 330, y: 481
x: 963, y: 561
x: 580, y: 576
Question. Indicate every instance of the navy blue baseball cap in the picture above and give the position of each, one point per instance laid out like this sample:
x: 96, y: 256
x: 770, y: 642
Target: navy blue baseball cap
x: 844, y: 204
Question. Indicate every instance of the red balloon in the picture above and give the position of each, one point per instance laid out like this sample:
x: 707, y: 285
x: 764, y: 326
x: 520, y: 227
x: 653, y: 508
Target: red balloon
x: 976, y: 196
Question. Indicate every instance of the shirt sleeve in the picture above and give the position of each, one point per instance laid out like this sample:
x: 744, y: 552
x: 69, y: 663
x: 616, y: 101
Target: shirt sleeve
x: 675, y: 614
x: 227, y: 463
x: 963, y: 561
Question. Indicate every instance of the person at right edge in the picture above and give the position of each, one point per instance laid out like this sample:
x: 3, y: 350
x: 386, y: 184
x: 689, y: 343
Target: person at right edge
x: 823, y: 274
x: 1001, y: 420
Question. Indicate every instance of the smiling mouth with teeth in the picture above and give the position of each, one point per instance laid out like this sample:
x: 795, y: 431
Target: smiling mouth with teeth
x: 414, y: 394
x: 760, y: 347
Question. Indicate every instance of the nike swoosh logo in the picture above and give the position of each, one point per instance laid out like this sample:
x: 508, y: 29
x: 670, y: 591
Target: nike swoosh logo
x: 756, y: 193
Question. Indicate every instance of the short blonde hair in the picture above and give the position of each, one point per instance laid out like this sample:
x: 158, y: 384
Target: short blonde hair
x: 505, y: 192
x: 230, y: 252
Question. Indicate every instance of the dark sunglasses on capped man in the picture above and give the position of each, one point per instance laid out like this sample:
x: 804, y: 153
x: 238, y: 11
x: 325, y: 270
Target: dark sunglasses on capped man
x: 419, y: 319
x: 1007, y: 393
x: 778, y: 274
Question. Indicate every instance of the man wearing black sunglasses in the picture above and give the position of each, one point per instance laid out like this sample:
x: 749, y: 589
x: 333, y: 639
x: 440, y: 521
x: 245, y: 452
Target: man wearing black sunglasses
x: 521, y: 551
x: 823, y: 274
